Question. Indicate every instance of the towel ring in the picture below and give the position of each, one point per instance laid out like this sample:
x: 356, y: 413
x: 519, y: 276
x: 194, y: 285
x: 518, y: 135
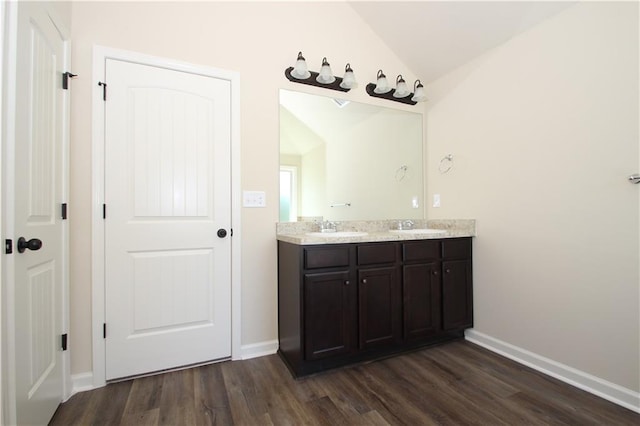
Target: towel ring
x: 446, y: 164
x: 401, y: 173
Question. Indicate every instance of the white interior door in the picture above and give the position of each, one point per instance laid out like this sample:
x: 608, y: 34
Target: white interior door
x: 37, y: 197
x: 167, y: 193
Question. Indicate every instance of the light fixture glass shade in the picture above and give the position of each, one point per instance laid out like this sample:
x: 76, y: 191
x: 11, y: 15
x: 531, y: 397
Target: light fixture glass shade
x: 381, y: 83
x: 325, y: 76
x: 300, y: 70
x: 402, y: 90
x: 419, y: 94
x: 349, y: 79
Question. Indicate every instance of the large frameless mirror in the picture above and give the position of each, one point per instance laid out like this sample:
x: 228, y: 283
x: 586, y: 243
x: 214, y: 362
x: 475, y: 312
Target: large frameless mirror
x: 342, y: 160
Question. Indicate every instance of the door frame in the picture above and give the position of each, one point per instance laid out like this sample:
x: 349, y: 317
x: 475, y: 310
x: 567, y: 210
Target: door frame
x: 8, y: 75
x: 100, y: 55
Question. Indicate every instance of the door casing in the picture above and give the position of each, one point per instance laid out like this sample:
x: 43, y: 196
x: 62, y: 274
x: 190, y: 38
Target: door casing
x: 100, y: 55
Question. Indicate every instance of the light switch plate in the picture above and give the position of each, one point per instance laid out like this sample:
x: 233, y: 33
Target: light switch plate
x: 254, y: 199
x: 436, y: 200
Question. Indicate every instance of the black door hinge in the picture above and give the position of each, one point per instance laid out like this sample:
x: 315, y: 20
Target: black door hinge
x: 64, y: 342
x: 104, y: 90
x: 63, y: 212
x: 8, y: 246
x: 104, y: 211
x: 65, y: 79
x: 104, y: 330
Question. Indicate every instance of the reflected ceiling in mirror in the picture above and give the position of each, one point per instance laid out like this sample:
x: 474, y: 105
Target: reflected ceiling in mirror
x: 343, y: 160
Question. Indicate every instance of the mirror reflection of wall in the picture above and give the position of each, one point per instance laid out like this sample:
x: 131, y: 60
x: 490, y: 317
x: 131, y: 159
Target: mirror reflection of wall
x: 342, y: 160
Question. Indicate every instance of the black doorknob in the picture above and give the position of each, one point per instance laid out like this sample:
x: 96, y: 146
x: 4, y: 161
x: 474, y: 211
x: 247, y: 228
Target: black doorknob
x: 33, y: 244
x: 222, y: 233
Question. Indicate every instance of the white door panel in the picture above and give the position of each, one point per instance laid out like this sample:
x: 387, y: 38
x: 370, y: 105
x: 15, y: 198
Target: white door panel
x: 167, y: 192
x: 38, y: 190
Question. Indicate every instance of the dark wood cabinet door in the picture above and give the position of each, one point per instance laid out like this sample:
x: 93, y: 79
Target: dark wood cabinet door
x: 421, y: 297
x: 379, y: 307
x: 457, y: 297
x: 328, y: 315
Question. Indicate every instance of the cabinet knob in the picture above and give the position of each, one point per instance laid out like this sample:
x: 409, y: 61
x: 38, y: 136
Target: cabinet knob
x: 346, y: 282
x: 448, y: 270
x: 364, y: 281
x: 435, y: 272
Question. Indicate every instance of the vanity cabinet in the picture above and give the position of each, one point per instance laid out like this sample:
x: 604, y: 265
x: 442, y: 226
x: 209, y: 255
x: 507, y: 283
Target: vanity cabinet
x: 379, y: 295
x: 344, y: 303
x: 422, y: 289
x: 438, y: 286
x: 457, y: 285
x: 327, y: 314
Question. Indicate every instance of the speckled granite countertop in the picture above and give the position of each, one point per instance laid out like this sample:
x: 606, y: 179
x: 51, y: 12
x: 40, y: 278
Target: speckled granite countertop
x: 297, y: 232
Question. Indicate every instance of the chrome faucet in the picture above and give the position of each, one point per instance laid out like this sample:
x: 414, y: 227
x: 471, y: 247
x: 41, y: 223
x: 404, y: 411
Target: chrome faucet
x: 405, y: 224
x: 327, y: 226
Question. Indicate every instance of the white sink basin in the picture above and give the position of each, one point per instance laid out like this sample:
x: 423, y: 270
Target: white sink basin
x: 418, y: 231
x: 343, y: 234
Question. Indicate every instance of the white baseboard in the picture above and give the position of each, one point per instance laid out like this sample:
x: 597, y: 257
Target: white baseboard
x: 81, y: 382
x: 259, y: 349
x: 585, y: 381
x: 84, y: 381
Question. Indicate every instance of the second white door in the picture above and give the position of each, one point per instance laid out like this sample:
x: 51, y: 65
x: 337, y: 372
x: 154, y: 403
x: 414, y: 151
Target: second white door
x: 167, y: 210
x: 35, y: 205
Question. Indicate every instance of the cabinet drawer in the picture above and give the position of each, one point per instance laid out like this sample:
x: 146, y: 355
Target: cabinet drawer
x: 456, y: 248
x: 326, y: 257
x: 422, y: 250
x: 369, y: 254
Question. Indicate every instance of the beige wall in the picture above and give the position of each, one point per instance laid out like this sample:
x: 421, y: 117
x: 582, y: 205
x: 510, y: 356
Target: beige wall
x: 544, y: 132
x: 258, y: 40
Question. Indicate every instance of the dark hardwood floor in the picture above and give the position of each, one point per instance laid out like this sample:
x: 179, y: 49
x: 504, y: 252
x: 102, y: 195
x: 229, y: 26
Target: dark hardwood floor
x: 457, y: 384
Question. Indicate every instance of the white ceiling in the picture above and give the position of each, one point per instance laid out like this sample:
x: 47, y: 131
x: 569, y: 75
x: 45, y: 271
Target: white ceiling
x: 435, y: 37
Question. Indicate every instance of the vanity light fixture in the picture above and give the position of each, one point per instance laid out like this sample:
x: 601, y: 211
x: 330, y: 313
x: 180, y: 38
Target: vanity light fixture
x: 419, y: 94
x: 402, y: 90
x: 325, y: 78
x: 300, y: 71
x: 401, y: 93
x: 349, y: 79
x: 381, y: 84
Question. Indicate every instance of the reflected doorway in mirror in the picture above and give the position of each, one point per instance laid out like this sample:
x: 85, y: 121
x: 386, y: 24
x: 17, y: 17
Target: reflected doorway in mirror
x: 288, y: 193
